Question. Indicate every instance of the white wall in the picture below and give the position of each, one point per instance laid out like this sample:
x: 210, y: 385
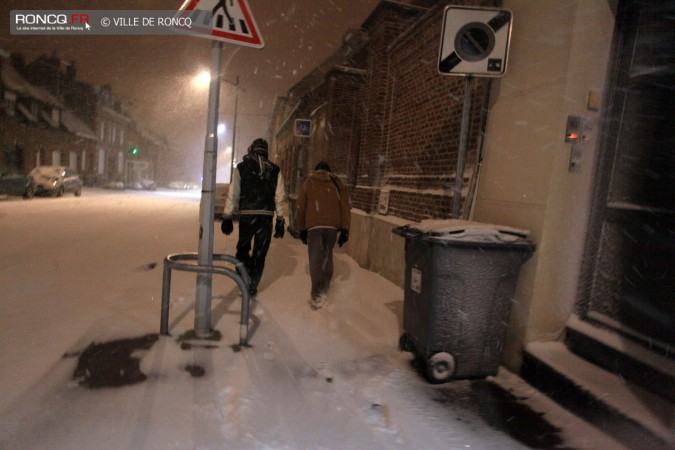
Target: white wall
x: 559, y: 53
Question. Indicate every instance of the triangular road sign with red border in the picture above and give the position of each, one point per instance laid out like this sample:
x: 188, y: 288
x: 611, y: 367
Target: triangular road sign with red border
x: 225, y: 20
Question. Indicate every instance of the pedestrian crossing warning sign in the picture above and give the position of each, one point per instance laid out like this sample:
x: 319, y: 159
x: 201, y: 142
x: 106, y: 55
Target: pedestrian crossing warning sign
x: 225, y: 20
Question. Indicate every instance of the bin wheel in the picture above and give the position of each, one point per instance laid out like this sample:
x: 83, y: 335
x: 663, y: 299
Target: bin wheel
x: 440, y: 367
x: 405, y: 343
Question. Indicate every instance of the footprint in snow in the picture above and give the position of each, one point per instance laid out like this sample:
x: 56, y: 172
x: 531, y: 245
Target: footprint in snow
x: 378, y: 416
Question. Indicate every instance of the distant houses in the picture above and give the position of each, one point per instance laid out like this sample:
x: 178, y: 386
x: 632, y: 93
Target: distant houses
x: 49, y: 117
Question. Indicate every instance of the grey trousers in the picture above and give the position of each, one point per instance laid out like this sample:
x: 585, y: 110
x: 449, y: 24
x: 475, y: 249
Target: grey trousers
x: 320, y: 243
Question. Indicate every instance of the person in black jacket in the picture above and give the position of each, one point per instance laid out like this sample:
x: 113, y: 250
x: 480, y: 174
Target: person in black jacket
x: 256, y: 193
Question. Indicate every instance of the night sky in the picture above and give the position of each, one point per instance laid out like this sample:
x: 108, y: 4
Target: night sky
x: 154, y: 73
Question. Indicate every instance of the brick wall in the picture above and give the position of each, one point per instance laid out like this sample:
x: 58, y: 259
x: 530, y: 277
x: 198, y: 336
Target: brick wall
x: 343, y: 113
x: 391, y: 122
x: 21, y: 142
x: 388, y: 22
x: 410, y: 137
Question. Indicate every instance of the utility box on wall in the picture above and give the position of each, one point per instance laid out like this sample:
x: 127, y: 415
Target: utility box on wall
x: 578, y: 132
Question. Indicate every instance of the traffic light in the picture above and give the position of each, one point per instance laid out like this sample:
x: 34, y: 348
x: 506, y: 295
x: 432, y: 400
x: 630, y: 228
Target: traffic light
x: 133, y: 151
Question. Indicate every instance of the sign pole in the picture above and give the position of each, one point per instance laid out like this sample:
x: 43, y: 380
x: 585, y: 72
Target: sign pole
x: 474, y: 42
x: 234, y: 128
x: 461, y: 152
x: 206, y: 206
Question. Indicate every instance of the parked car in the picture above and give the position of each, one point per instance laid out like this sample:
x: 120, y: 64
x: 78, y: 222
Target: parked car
x: 115, y: 185
x: 182, y: 185
x: 148, y: 185
x: 17, y: 184
x: 56, y: 181
x: 177, y: 185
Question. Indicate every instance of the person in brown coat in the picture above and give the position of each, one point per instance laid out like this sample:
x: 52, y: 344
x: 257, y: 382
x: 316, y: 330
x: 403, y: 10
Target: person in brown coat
x: 322, y: 213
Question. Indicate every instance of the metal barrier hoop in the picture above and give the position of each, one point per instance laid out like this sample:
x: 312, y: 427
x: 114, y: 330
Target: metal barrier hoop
x: 240, y: 277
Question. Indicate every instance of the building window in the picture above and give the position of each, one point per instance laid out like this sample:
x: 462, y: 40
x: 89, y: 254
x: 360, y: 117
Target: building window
x: 8, y: 103
x: 101, y: 161
x: 56, y: 117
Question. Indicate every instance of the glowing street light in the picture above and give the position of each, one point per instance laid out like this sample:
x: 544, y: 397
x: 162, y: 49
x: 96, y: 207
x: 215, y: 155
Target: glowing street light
x: 202, y: 80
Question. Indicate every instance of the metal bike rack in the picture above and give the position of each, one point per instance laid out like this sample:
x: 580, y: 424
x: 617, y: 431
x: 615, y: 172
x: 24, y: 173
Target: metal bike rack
x: 240, y: 277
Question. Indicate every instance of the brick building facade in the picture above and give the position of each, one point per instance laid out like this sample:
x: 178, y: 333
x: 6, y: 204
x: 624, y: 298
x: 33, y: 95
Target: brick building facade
x: 383, y: 117
x: 36, y: 127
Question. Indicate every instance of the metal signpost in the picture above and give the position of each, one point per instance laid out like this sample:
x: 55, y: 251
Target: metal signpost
x: 234, y: 127
x: 230, y: 22
x: 474, y: 43
x: 207, y: 204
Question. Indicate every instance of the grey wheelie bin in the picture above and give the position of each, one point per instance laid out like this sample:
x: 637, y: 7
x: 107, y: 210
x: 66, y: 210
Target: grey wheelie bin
x: 460, y: 281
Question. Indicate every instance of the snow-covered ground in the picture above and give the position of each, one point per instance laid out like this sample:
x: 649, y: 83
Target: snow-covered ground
x: 77, y: 271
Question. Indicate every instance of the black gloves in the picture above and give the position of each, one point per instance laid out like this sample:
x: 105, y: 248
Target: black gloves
x: 303, y: 236
x: 226, y: 226
x: 279, y: 228
x: 343, y: 238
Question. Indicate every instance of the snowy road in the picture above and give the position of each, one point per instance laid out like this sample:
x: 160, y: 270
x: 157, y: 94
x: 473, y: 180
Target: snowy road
x: 77, y: 271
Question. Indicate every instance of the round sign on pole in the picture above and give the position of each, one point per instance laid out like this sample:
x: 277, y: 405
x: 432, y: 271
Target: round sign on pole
x: 474, y: 41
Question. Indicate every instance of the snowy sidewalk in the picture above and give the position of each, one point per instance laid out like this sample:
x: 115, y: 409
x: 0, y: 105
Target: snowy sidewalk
x: 332, y: 378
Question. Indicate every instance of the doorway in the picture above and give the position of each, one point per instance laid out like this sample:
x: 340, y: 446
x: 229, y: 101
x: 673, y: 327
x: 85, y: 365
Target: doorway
x: 628, y: 281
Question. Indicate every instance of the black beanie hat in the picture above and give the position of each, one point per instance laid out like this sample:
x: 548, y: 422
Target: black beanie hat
x: 259, y: 146
x: 322, y: 166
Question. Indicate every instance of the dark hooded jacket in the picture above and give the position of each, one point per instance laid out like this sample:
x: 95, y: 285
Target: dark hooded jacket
x: 257, y: 188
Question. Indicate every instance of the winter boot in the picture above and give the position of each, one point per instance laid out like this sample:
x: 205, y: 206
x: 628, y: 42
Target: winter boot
x: 319, y: 301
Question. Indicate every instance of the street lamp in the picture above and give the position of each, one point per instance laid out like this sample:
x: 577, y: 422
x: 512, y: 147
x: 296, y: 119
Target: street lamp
x: 203, y: 80
x: 234, y: 126
x: 223, y: 171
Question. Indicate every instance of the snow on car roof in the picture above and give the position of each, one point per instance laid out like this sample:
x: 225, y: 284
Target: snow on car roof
x: 48, y: 170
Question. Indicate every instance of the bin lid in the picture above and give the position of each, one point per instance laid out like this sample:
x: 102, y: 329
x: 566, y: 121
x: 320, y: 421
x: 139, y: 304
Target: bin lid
x: 464, y: 231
